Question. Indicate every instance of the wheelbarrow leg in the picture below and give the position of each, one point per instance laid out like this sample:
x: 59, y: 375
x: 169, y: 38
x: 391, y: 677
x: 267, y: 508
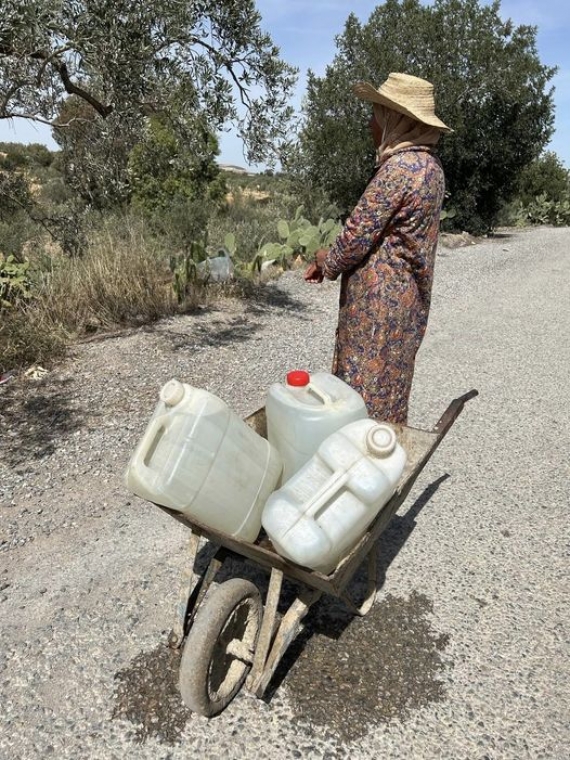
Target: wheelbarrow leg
x: 193, y: 591
x: 267, y: 627
x: 176, y: 636
x: 371, y: 587
x: 286, y: 633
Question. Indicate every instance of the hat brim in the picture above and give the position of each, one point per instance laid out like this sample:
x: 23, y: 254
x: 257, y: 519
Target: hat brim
x: 367, y: 91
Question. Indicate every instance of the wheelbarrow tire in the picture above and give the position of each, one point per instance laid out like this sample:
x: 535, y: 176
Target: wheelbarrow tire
x: 220, y: 646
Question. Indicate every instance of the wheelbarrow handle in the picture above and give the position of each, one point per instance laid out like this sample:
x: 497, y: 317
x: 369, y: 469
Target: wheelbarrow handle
x: 452, y: 412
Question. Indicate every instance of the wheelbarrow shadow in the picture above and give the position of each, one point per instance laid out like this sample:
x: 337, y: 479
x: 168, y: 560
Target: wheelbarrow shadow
x: 330, y: 617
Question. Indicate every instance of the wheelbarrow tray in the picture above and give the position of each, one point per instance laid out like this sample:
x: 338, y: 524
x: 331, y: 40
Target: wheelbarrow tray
x: 276, y: 635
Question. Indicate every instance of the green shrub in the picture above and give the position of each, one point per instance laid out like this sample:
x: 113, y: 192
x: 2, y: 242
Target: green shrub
x: 180, y: 225
x: 15, y: 234
x: 540, y: 210
x: 175, y: 185
x: 546, y: 176
x: 14, y: 281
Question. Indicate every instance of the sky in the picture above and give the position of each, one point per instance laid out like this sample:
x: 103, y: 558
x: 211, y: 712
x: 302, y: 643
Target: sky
x: 305, y: 31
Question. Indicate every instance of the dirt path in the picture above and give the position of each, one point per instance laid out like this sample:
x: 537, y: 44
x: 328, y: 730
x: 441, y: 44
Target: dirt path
x: 465, y: 652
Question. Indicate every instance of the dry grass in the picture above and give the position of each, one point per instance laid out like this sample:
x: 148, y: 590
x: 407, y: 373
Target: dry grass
x: 26, y: 339
x: 122, y: 279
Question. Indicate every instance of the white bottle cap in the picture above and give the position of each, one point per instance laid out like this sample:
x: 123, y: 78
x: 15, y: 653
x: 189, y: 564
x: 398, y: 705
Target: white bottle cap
x: 381, y: 440
x: 172, y: 393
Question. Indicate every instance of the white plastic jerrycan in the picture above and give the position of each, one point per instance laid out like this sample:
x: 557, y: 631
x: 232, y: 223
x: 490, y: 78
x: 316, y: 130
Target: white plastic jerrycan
x: 304, y: 411
x: 199, y: 458
x: 318, y: 515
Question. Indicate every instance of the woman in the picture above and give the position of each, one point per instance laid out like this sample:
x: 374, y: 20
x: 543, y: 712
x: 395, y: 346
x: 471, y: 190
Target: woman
x: 386, y: 250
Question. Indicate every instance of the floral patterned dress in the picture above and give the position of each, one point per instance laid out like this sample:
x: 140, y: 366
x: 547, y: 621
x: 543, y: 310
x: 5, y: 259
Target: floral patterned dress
x: 385, y: 254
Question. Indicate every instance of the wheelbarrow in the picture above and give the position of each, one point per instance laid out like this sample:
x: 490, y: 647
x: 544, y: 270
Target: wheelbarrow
x: 229, y: 637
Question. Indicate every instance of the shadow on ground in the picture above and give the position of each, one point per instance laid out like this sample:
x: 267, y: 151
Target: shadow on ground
x: 271, y: 297
x: 33, y: 419
x: 217, y: 333
x: 146, y: 694
x: 221, y: 330
x: 350, y: 677
x: 348, y: 674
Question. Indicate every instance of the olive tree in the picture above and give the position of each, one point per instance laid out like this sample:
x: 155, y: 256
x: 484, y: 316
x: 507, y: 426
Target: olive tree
x: 123, y: 61
x: 491, y: 89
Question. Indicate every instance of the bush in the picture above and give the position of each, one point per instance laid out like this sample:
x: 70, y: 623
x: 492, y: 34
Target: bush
x: 26, y: 337
x: 15, y: 234
x: 540, y: 210
x: 544, y: 177
x: 14, y: 282
x: 183, y: 222
x: 17, y: 156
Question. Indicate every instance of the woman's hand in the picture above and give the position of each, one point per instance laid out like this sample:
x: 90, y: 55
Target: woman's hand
x: 314, y: 272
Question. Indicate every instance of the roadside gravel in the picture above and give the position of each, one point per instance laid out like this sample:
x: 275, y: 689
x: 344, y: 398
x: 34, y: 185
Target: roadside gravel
x: 465, y: 653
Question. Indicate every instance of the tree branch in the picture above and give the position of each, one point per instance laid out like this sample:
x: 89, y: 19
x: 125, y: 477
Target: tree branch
x: 73, y: 89
x: 61, y: 67
x: 28, y: 117
x: 243, y: 92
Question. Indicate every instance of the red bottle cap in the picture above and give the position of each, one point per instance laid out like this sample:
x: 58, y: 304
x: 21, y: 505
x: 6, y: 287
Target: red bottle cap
x: 298, y: 378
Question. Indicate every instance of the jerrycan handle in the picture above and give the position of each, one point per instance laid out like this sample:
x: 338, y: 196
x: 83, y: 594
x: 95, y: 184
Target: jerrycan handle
x: 326, y: 492
x: 151, y: 439
x: 299, y: 378
x: 324, y: 397
x: 171, y: 394
x: 143, y: 455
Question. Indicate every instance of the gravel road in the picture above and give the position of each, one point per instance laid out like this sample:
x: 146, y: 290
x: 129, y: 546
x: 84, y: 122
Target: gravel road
x: 465, y: 654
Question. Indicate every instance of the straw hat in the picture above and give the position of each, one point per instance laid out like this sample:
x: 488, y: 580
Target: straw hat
x: 406, y: 94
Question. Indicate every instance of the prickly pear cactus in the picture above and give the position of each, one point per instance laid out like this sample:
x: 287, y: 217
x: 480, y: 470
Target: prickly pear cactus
x: 298, y: 237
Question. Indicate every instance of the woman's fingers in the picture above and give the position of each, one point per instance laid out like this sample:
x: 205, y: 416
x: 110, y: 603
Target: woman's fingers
x: 313, y: 273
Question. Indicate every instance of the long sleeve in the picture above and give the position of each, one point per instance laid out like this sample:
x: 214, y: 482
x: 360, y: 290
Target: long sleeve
x: 363, y: 229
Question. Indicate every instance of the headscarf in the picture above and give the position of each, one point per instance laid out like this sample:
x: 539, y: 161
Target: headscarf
x: 401, y: 131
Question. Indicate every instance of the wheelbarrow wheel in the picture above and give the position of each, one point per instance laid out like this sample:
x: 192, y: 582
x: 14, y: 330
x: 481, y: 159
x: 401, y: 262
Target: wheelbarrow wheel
x: 220, y: 646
